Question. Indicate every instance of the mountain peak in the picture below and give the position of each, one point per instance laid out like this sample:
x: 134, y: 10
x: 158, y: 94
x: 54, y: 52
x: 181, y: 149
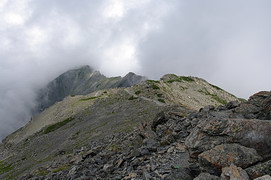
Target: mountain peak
x: 85, y: 68
x: 130, y: 74
x: 131, y: 79
x: 81, y: 81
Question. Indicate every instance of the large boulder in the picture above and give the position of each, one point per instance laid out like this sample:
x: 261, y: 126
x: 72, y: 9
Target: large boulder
x: 259, y: 98
x: 259, y: 169
x: 224, y: 155
x: 251, y: 133
x: 266, y: 111
x: 265, y: 177
x: 234, y: 173
x: 258, y: 106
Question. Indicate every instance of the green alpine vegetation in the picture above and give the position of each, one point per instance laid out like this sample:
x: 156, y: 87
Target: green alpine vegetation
x: 58, y: 125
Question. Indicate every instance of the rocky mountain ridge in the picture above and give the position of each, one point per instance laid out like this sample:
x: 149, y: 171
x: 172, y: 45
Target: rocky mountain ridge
x: 176, y: 128
x: 81, y: 81
x: 214, y: 143
x: 189, y: 92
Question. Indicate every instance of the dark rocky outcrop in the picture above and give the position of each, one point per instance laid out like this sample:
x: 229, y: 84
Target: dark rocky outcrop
x: 226, y: 135
x: 259, y: 169
x: 258, y: 106
x: 248, y: 132
x: 234, y: 173
x: 206, y: 176
x: 226, y: 154
x: 81, y: 81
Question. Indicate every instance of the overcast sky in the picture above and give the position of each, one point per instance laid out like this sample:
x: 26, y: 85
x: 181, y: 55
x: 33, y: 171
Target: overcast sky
x: 227, y: 43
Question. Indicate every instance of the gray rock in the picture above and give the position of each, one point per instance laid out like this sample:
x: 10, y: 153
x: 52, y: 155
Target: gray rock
x: 224, y: 155
x: 151, y: 144
x: 258, y: 106
x: 265, y: 177
x: 73, y: 170
x: 108, y: 167
x: 259, y: 169
x: 207, y: 108
x: 206, y: 176
x: 212, y: 132
x: 146, y: 175
x: 180, y: 173
x: 144, y: 151
x: 232, y: 104
x: 234, y: 173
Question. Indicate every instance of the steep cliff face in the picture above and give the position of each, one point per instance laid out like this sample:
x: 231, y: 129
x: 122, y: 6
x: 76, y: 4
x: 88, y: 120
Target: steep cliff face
x: 81, y: 81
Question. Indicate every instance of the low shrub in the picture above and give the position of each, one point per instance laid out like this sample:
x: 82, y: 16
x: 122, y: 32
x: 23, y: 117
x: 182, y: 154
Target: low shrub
x: 162, y: 100
x: 138, y: 92
x: 87, y: 99
x: 132, y: 98
x: 154, y: 86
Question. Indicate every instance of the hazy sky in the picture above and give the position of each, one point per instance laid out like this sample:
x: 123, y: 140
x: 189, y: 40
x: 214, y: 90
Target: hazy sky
x: 227, y: 43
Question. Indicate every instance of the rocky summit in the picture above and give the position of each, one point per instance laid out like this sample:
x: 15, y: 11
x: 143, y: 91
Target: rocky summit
x: 175, y: 128
x: 81, y: 81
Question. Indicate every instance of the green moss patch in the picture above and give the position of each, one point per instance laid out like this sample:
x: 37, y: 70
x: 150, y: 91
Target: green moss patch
x: 87, y: 99
x: 42, y: 172
x: 153, y: 81
x: 218, y: 99
x: 159, y: 95
x: 132, y: 98
x: 58, y: 125
x: 114, y: 148
x: 162, y: 100
x: 4, y: 167
x: 181, y: 78
x: 138, y: 92
x: 186, y: 78
x: 153, y: 86
x: 62, y: 168
x: 214, y: 96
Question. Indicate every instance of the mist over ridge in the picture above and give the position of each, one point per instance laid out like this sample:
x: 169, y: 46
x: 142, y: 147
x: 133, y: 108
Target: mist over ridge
x: 226, y: 43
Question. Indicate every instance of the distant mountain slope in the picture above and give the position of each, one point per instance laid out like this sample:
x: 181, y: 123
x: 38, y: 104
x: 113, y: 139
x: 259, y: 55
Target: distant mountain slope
x: 99, y: 118
x: 81, y: 81
x: 189, y: 92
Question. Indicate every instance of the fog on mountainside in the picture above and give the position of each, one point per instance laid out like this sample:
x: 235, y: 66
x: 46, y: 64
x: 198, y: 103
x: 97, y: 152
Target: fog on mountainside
x: 81, y: 81
x: 227, y: 43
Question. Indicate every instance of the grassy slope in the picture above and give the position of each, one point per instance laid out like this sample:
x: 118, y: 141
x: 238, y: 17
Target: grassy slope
x: 110, y: 114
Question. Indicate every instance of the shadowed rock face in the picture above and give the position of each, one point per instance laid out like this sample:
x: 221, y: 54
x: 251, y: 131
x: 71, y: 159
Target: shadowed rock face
x: 227, y: 135
x: 251, y: 133
x: 81, y: 81
x: 233, y: 125
x: 235, y: 173
x: 226, y: 154
x: 259, y: 169
x: 258, y: 106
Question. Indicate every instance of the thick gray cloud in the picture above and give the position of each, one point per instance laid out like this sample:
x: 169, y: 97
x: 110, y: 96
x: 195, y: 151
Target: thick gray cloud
x: 225, y: 42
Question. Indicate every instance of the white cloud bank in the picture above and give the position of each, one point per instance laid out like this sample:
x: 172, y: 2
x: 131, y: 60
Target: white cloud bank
x: 225, y: 42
